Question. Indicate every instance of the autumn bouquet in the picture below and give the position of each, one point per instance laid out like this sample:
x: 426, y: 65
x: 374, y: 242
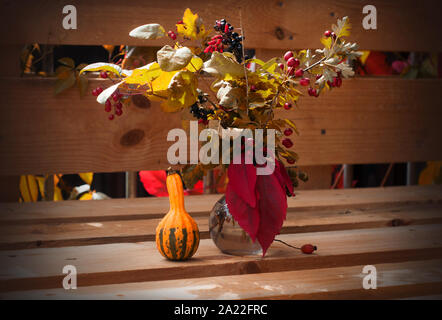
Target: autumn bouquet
x: 243, y: 93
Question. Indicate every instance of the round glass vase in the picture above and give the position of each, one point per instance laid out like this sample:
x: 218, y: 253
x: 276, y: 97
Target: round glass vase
x: 226, y: 233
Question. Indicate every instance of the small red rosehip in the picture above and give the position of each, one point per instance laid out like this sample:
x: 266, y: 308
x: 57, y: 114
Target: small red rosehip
x: 107, y: 108
x: 290, y: 161
x: 118, y: 105
x: 119, y: 112
x: 304, y: 82
x: 290, y: 71
x: 281, y: 66
x: 108, y: 103
x: 288, y: 132
x: 99, y: 90
x: 94, y: 92
x: 288, y: 55
x: 299, y: 73
x: 287, y: 143
x: 287, y: 106
x: 253, y: 88
x: 308, y: 248
x: 116, y: 96
x: 327, y: 33
x: 337, y: 82
x: 111, y: 117
x: 318, y: 76
x: 180, y: 22
x: 333, y: 35
x: 171, y: 35
x: 291, y: 62
x: 103, y: 74
x: 296, y: 62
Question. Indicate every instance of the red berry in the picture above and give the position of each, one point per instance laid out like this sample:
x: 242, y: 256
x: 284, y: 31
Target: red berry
x: 290, y: 161
x: 118, y: 112
x: 290, y: 71
x: 171, y: 34
x: 99, y: 90
x: 94, y: 92
x: 304, y: 82
x: 118, y: 105
x: 311, y: 91
x: 107, y: 108
x: 281, y: 66
x: 288, y: 132
x: 253, y: 88
x: 103, y: 74
x: 287, y: 143
x: 327, y: 33
x: 116, y: 96
x: 108, y: 103
x: 308, y: 248
x: 111, y: 117
x: 299, y: 73
x: 288, y: 55
x: 180, y: 22
x: 333, y: 35
x: 291, y: 62
x: 287, y: 106
x: 318, y: 76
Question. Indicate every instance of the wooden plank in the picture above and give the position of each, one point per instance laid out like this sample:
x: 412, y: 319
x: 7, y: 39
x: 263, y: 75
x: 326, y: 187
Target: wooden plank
x: 396, y: 119
x: 136, y: 262
x: 319, y: 177
x: 395, y: 280
x: 151, y: 208
x: 268, y: 24
x: 26, y: 236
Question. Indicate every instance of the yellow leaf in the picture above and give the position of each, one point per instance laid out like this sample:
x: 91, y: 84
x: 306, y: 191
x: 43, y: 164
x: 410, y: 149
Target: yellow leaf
x: 160, y: 84
x: 326, y: 42
x: 86, y: 196
x: 87, y: 177
x: 145, y: 74
x: 195, y: 64
x: 182, y: 92
x: 344, y: 27
x: 192, y: 26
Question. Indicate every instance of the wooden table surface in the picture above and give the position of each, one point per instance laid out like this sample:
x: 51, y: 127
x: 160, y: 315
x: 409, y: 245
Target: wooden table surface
x: 111, y: 244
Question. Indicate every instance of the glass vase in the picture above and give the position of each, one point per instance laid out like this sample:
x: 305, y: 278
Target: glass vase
x: 226, y: 233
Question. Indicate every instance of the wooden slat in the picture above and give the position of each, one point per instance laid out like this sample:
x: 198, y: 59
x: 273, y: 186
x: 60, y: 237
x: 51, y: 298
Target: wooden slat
x: 395, y: 280
x: 117, y: 231
x: 123, y: 263
x: 365, y: 121
x: 402, y: 26
x: 151, y: 208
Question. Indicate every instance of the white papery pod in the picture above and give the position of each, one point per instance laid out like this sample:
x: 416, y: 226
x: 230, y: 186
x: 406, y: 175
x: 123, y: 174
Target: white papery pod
x: 150, y: 31
x: 171, y: 59
x: 107, y: 93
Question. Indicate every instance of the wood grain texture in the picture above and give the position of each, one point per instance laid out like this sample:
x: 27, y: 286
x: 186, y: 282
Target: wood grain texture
x: 396, y: 280
x: 45, y: 235
x: 200, y: 205
x: 365, y: 121
x: 402, y: 26
x: 104, y: 264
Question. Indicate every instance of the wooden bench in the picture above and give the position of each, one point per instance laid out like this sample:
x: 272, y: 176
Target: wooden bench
x: 111, y: 242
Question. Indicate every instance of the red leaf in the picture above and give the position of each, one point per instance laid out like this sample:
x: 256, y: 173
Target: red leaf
x: 272, y: 205
x: 242, y: 181
x: 283, y: 177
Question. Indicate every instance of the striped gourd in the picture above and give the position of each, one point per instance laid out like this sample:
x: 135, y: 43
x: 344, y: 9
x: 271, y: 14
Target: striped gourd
x: 177, y: 235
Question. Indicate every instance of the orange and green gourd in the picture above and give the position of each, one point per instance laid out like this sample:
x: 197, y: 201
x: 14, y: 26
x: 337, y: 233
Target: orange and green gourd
x: 177, y: 235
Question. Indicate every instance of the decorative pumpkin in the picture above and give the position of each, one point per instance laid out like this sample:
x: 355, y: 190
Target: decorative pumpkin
x: 177, y: 235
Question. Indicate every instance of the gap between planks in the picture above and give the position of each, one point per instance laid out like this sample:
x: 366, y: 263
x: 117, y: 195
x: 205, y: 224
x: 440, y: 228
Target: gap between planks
x: 13, y: 237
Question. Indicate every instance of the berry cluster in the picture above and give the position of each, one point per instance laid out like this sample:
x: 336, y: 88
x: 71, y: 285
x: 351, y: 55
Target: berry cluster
x: 199, y: 112
x: 226, y: 38
x: 116, y: 97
